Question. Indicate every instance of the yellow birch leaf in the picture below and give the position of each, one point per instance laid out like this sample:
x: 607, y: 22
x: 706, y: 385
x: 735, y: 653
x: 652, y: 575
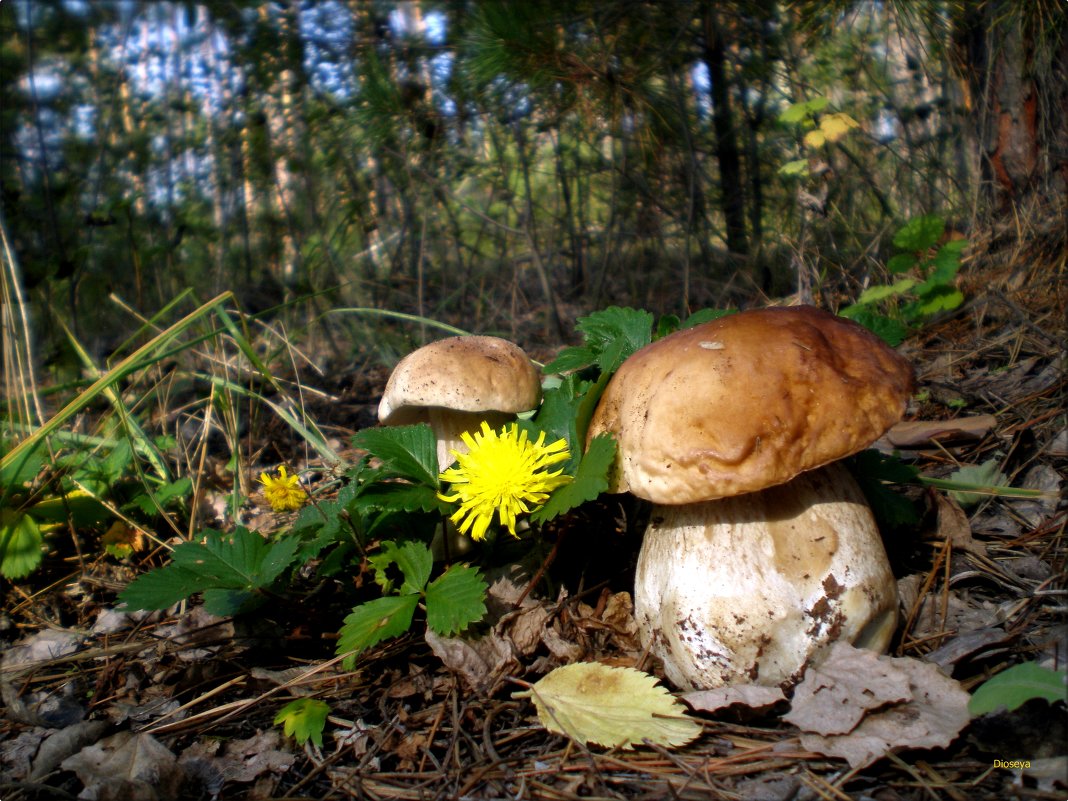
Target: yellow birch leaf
x: 610, y: 706
x: 835, y: 126
x: 815, y: 138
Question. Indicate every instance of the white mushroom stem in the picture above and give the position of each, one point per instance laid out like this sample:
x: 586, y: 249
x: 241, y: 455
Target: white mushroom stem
x: 449, y: 424
x: 745, y: 590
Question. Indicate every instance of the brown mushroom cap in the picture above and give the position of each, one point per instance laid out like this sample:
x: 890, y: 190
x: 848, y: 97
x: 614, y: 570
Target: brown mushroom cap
x: 748, y: 401
x: 466, y: 373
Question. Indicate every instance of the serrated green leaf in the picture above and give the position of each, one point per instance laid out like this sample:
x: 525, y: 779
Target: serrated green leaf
x: 933, y: 300
x: 413, y: 559
x: 920, y: 233
x: 161, y: 588
x: 571, y: 358
x: 883, y: 291
x: 304, y: 719
x: 945, y: 265
x: 397, y: 497
x: 892, y: 332
x: 591, y: 479
x: 224, y: 602
x: 556, y: 415
x: 408, y: 452
x: 373, y: 622
x: 20, y: 544
x: 455, y: 600
x: 241, y: 562
x: 1017, y: 685
x: 610, y: 706
x: 615, y: 333
x: 151, y: 503
x: 902, y: 262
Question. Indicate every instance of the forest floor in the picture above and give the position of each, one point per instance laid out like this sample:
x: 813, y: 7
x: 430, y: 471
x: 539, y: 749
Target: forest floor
x: 107, y: 705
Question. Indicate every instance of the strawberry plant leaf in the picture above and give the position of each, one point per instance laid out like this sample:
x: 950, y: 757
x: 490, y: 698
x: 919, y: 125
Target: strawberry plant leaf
x: 243, y: 562
x: 920, y: 233
x: 20, y: 544
x: 373, y: 622
x: 304, y: 719
x: 408, y: 452
x: 455, y: 600
x: 591, y: 479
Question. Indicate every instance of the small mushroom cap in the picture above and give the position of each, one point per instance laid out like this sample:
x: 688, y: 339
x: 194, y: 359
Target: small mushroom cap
x: 467, y: 373
x: 748, y: 401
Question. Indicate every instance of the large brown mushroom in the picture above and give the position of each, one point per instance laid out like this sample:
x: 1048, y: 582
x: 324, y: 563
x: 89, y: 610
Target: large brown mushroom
x: 457, y: 382
x: 756, y: 556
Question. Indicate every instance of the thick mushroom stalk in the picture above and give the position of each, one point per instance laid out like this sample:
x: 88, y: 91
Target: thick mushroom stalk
x: 747, y: 589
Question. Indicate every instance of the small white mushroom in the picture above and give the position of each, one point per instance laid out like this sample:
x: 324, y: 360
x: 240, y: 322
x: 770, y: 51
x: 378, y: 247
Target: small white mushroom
x: 455, y: 383
x: 754, y: 559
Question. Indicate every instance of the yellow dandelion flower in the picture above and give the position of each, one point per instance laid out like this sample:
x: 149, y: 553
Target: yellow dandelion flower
x: 283, y: 493
x: 503, y: 473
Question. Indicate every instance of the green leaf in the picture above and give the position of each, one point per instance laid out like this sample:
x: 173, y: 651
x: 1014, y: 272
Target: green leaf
x: 397, y: 497
x: 667, y: 324
x: 408, y: 452
x: 20, y: 544
x: 883, y: 291
x: 591, y: 479
x: 571, y: 358
x: 615, y: 333
x: 920, y: 233
x: 151, y: 503
x: 982, y: 477
x: 161, y: 588
x: 455, y: 600
x: 1016, y: 686
x: 933, y: 300
x: 22, y: 469
x: 800, y: 111
x: 77, y: 506
x: 902, y: 262
x: 413, y: 559
x: 373, y: 622
x: 946, y: 265
x: 242, y: 562
x: 891, y: 509
x: 892, y: 332
x: 795, y: 167
x: 304, y: 719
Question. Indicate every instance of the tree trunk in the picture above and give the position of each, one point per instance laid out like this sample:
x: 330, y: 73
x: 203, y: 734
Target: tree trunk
x: 1016, y: 72
x: 730, y: 170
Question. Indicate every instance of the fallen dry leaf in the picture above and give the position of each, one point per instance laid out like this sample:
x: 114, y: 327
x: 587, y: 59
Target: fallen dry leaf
x: 480, y: 663
x: 837, y: 693
x: 953, y: 525
x: 610, y: 706
x: 925, y: 433
x: 933, y: 713
x: 126, y: 765
x: 751, y: 695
